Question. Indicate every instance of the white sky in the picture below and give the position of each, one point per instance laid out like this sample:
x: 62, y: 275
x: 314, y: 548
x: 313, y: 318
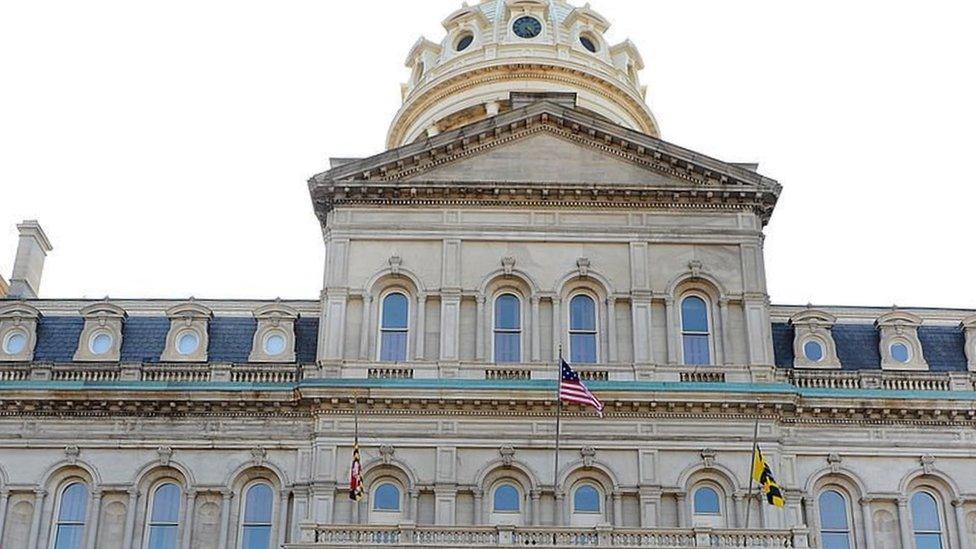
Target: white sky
x: 165, y: 146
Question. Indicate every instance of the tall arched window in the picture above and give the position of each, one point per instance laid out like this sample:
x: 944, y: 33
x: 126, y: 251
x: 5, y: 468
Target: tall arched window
x: 506, y: 499
x: 926, y: 522
x: 256, y: 521
x: 694, y: 331
x: 835, y: 530
x: 72, y: 508
x: 508, y: 329
x: 393, y: 328
x: 582, y: 330
x: 386, y: 497
x: 163, y: 526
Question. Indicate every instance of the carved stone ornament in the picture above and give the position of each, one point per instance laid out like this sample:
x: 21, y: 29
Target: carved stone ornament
x: 928, y: 463
x: 708, y: 457
x: 395, y: 263
x: 71, y: 453
x: 588, y: 453
x: 386, y: 453
x: 258, y: 455
x: 508, y: 263
x: 508, y: 455
x: 833, y: 460
x: 695, y: 266
x: 583, y: 266
x: 164, y: 453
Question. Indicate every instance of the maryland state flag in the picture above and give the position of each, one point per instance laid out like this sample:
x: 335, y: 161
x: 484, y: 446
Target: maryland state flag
x: 356, y: 475
x: 762, y: 474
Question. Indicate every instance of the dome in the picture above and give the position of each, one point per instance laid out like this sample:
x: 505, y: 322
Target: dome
x: 498, y: 47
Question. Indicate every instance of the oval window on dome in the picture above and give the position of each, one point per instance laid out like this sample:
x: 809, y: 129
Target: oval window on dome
x: 100, y: 343
x: 464, y: 42
x: 813, y: 350
x: 588, y: 43
x: 15, y: 343
x: 900, y: 352
x: 187, y: 343
x: 274, y: 344
x: 527, y: 27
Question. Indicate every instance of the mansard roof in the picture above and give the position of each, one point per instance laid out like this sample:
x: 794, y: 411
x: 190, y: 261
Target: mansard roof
x: 641, y: 170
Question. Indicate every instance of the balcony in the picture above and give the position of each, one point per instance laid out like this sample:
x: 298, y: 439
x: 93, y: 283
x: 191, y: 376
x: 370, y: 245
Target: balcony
x: 408, y: 535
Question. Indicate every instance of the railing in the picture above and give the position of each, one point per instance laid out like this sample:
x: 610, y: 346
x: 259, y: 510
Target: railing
x: 176, y: 373
x: 594, y: 375
x: 269, y: 374
x: 85, y: 374
x: 508, y: 373
x: 14, y: 374
x: 390, y: 373
x: 410, y: 535
x: 703, y: 377
x: 875, y: 379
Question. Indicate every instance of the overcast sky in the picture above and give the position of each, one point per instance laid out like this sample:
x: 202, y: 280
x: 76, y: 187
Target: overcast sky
x: 165, y: 146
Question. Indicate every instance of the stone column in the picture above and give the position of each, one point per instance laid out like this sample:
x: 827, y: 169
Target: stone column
x: 536, y: 495
x: 723, y: 305
x: 957, y: 504
x: 557, y: 326
x: 559, y: 513
x: 739, y: 510
x: 905, y: 523
x: 282, y: 523
x: 191, y: 500
x: 365, y: 330
x: 478, y: 512
x: 618, y: 509
x: 683, y: 521
x: 611, y: 329
x: 421, y: 327
x: 35, y: 530
x: 130, y: 518
x: 414, y: 504
x: 4, y: 497
x: 536, y: 331
x: 226, y: 496
x: 671, y: 320
x: 479, y: 328
x: 868, y: 521
x: 93, y: 516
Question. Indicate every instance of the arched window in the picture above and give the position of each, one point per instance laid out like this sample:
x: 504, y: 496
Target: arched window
x: 386, y: 497
x: 256, y: 524
x: 163, y: 526
x: 72, y: 509
x: 582, y: 330
x: 508, y: 329
x: 586, y: 499
x: 926, y: 522
x: 835, y: 530
x: 393, y: 328
x: 706, y: 502
x: 694, y: 331
x: 506, y: 499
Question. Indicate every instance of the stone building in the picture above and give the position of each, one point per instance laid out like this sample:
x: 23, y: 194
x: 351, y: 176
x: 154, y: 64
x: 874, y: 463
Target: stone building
x: 526, y: 207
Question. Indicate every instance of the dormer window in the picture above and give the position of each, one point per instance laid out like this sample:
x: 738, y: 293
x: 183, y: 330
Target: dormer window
x: 274, y: 338
x: 188, y: 335
x: 813, y: 342
x: 588, y: 43
x: 900, y: 347
x: 101, y: 338
x: 18, y: 332
x: 15, y: 342
x: 187, y: 342
x: 969, y: 328
x: 463, y: 42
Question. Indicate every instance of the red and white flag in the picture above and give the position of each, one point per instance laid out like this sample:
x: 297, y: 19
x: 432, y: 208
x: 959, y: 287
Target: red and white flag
x: 356, y: 475
x: 571, y: 389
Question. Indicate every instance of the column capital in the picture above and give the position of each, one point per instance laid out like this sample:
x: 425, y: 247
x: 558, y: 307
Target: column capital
x: 40, y: 492
x: 958, y: 502
x: 97, y: 493
x: 902, y: 501
x: 226, y: 494
x: 535, y: 495
x: 535, y: 299
x: 191, y: 493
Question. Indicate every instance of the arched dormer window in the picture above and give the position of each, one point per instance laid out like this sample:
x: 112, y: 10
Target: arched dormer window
x: 835, y: 520
x: 394, y: 331
x: 69, y: 529
x: 508, y: 328
x: 582, y: 330
x: 695, y: 331
x: 163, y: 526
x: 257, y: 517
x: 926, y: 521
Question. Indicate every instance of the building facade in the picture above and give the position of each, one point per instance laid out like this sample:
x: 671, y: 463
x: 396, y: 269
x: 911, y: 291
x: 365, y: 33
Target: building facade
x: 526, y: 208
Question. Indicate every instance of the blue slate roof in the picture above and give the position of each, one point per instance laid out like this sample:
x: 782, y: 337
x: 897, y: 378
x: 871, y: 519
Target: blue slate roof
x: 858, y: 346
x: 57, y: 338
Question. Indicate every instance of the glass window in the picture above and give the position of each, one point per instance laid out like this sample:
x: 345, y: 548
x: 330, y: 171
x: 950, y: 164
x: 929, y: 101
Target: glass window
x: 582, y: 330
x: 506, y: 499
x: 899, y: 352
x: 164, y: 517
x: 834, y: 530
x: 588, y: 43
x: 586, y: 499
x: 386, y: 497
x: 508, y: 329
x: 15, y: 343
x: 464, y: 42
x: 100, y: 343
x: 393, y: 336
x: 926, y: 522
x: 706, y: 502
x: 274, y: 344
x: 694, y: 331
x: 70, y: 527
x: 813, y: 350
x: 256, y: 526
x: 187, y: 343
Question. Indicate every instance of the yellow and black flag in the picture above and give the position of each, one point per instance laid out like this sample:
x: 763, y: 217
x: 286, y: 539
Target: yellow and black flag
x: 762, y: 474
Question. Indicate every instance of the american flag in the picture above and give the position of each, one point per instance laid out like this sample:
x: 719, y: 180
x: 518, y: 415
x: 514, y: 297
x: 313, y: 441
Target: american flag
x: 571, y: 389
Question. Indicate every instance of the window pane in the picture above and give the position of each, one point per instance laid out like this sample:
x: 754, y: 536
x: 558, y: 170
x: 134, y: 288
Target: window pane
x: 706, y: 502
x: 925, y: 513
x: 393, y: 347
x: 586, y: 499
x: 506, y: 499
x: 899, y: 352
x: 386, y: 498
x: 162, y: 537
x: 696, y: 349
x: 69, y: 536
x: 507, y: 314
x: 836, y: 540
x: 813, y: 350
x: 833, y: 511
x: 582, y: 313
x: 928, y: 541
x: 507, y: 347
x: 257, y: 507
x: 582, y: 348
x: 256, y: 537
x: 74, y: 501
x: 694, y: 314
x: 166, y: 504
x: 395, y: 311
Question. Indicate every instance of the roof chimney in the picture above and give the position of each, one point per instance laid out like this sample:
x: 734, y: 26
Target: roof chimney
x: 32, y: 248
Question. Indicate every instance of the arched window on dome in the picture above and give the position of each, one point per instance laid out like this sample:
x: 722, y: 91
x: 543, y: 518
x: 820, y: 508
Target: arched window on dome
x: 394, y: 327
x: 696, y: 337
x: 835, y: 520
x: 72, y: 509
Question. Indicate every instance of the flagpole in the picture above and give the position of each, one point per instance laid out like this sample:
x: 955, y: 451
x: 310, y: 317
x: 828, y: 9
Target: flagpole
x: 752, y: 466
x: 559, y: 409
